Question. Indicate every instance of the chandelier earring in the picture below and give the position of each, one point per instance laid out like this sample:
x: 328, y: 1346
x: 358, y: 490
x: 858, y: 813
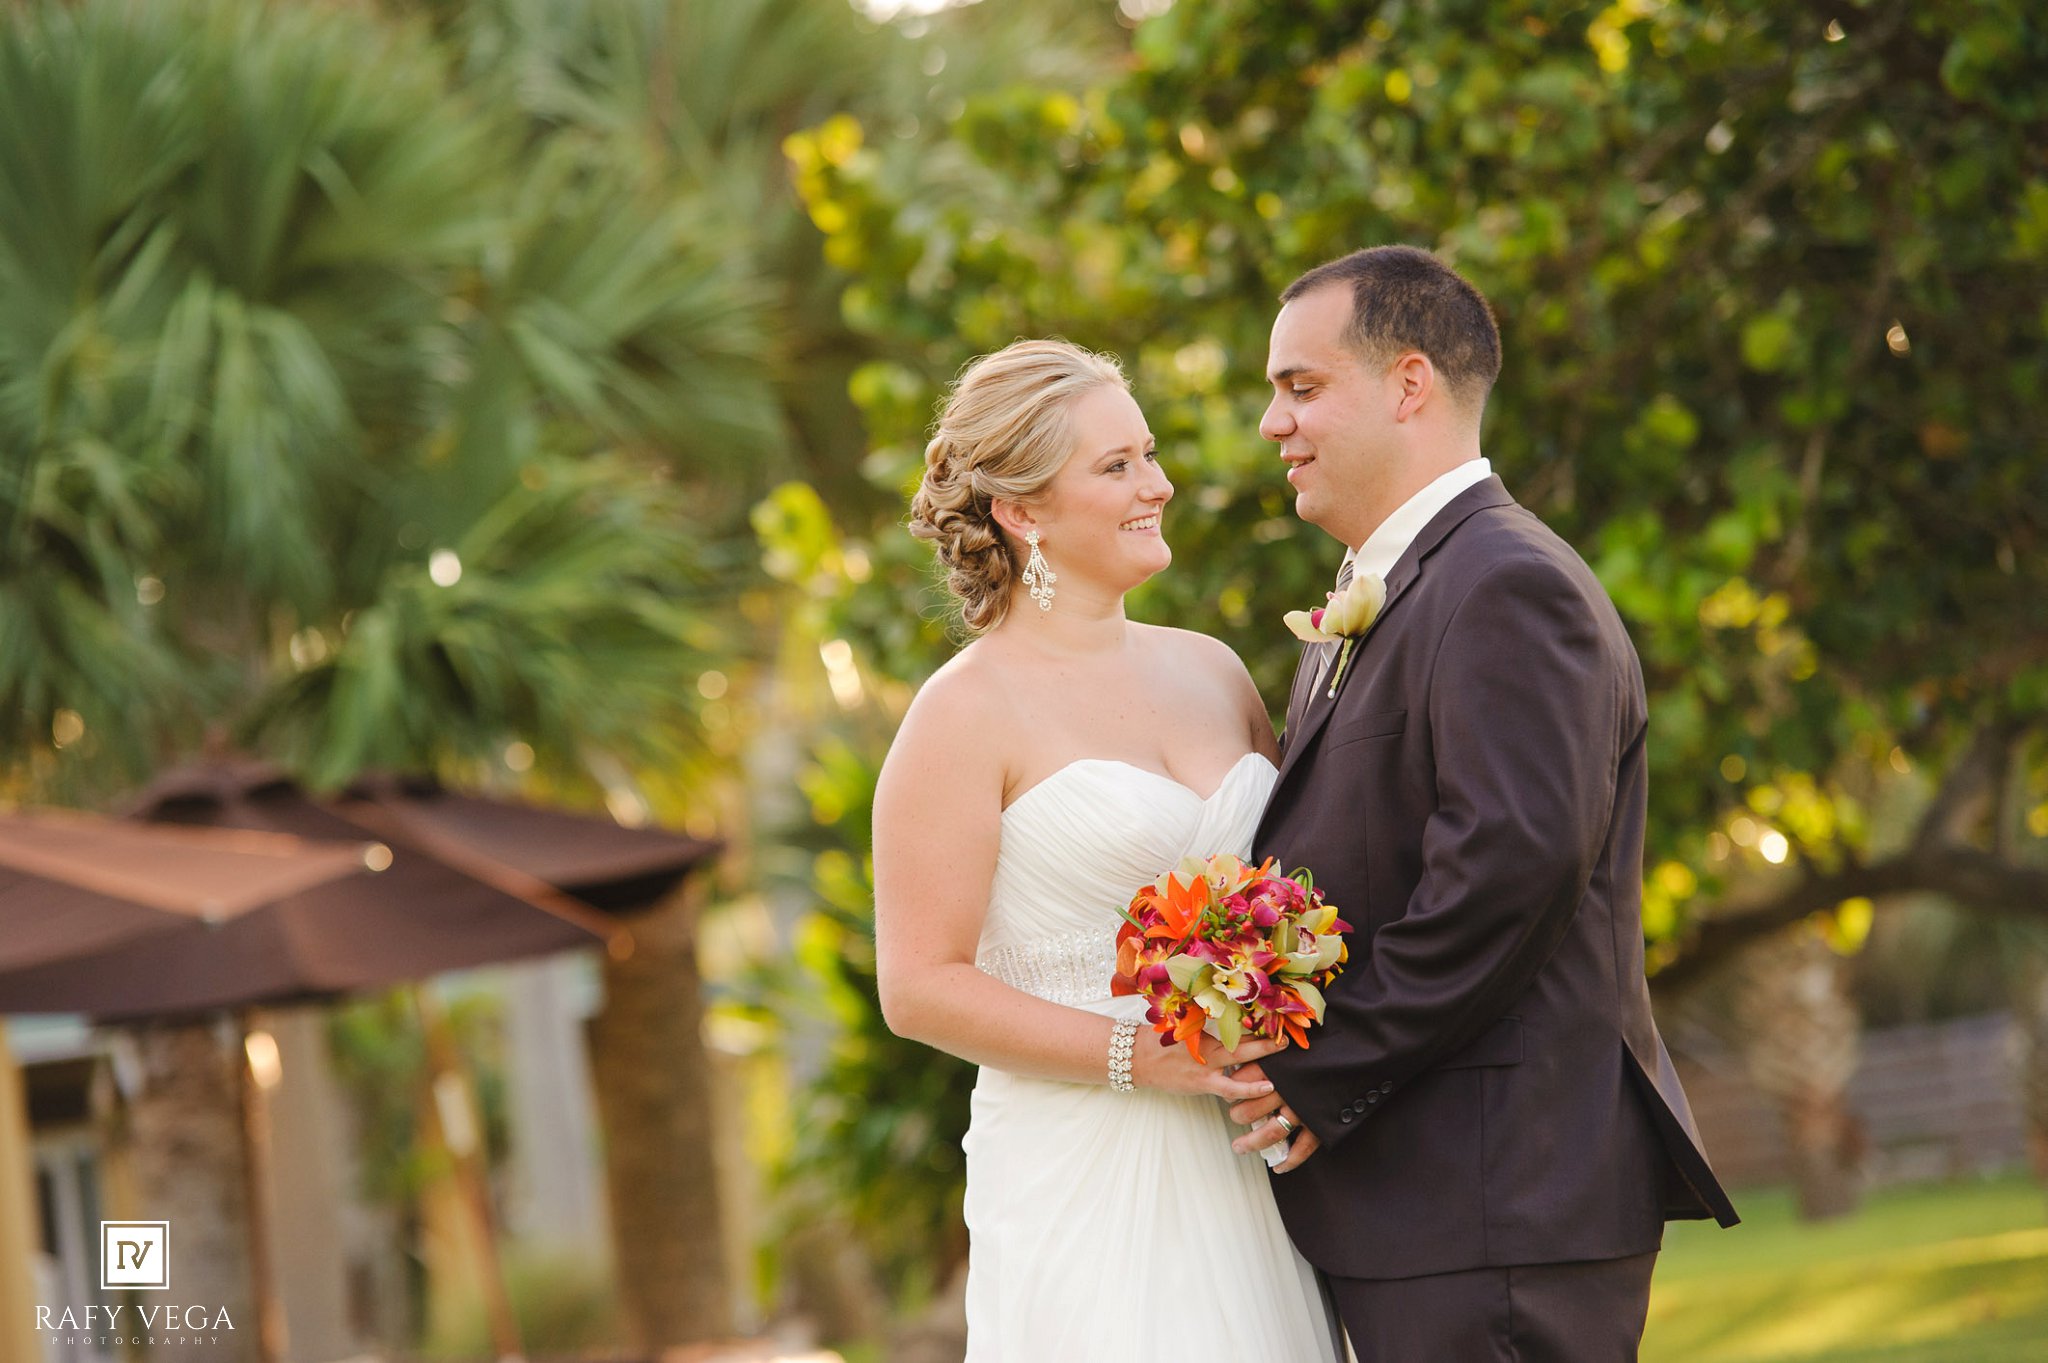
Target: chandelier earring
x: 1038, y: 574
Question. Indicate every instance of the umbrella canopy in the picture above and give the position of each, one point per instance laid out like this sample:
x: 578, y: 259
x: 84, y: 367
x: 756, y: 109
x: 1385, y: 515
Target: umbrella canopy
x: 463, y: 882
x: 72, y: 884
x: 420, y: 916
x: 615, y: 868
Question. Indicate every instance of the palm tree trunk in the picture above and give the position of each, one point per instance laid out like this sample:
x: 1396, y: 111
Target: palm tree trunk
x: 1802, y: 1036
x: 654, y: 1091
x: 186, y: 1133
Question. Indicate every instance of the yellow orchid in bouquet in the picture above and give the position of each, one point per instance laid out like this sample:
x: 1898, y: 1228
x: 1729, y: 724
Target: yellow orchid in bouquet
x: 1349, y: 614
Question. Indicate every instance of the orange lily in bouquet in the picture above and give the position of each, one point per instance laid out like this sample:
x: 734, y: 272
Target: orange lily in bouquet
x: 1219, y: 946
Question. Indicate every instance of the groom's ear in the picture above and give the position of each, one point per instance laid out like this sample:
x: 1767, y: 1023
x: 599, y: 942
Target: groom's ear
x: 1014, y: 517
x: 1413, y: 381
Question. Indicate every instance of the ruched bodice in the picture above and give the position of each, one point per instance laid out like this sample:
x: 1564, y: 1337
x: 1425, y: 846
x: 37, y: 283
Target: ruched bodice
x: 1076, y: 847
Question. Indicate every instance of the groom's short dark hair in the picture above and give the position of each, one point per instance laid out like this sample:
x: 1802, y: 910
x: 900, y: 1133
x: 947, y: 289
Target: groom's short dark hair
x: 1403, y: 298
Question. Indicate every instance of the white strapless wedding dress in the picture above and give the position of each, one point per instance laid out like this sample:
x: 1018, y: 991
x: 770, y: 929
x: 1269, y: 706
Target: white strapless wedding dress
x: 1110, y: 1227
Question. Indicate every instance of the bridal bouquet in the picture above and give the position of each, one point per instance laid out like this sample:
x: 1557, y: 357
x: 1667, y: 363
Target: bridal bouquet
x: 1219, y: 946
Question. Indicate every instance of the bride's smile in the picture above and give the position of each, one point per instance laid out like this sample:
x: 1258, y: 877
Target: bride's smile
x: 1100, y: 518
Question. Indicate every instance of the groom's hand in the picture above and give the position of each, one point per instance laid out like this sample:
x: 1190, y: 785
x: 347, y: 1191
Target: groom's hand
x: 1303, y: 1145
x: 1269, y: 1132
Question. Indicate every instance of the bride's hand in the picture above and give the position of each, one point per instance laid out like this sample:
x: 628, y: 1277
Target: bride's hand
x: 1172, y: 1069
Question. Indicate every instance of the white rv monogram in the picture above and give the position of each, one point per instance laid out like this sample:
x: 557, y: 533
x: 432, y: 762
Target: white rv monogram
x: 135, y: 1254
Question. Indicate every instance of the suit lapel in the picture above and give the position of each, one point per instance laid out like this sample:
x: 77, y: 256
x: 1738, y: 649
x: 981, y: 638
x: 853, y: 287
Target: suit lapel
x: 1314, y: 716
x: 1317, y: 706
x: 1297, y: 695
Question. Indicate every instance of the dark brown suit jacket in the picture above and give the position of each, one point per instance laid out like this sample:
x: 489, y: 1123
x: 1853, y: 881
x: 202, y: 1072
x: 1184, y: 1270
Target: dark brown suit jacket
x: 1488, y: 1085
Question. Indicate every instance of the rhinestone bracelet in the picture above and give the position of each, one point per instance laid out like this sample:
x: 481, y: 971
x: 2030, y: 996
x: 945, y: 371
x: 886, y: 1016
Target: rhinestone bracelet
x: 1121, y: 1038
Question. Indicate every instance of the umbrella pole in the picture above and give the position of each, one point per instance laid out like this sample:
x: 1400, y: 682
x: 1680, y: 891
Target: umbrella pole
x: 271, y: 1335
x: 446, y: 1074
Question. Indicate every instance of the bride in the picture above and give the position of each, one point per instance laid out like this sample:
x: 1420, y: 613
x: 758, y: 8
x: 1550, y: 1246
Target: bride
x: 1065, y: 757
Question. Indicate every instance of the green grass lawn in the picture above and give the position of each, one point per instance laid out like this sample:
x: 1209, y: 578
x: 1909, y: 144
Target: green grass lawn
x: 1944, y: 1273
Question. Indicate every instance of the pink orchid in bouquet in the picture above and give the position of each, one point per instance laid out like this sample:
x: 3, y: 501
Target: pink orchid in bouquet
x: 1220, y: 946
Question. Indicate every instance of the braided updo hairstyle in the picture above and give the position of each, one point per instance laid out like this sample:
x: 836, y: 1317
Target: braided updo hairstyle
x: 1006, y: 429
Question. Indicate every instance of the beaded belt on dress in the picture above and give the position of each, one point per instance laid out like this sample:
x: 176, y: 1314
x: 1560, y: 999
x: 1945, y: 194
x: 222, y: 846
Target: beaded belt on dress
x: 1071, y: 968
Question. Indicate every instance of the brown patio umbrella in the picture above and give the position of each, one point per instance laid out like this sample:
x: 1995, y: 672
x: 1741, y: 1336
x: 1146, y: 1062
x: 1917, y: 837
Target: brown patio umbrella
x: 74, y: 887
x: 72, y: 884
x: 429, y: 911
x: 469, y: 882
x: 601, y: 863
x: 424, y: 914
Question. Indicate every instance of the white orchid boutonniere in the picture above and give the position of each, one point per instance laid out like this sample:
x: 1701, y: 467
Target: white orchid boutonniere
x: 1345, y: 620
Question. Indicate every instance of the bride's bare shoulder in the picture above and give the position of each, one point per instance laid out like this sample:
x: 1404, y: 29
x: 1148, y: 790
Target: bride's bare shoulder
x: 1192, y: 648
x: 1227, y: 682
x: 956, y: 717
x: 970, y: 686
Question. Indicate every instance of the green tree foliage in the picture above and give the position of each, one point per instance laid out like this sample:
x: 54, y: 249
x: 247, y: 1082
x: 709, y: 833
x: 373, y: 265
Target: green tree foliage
x: 709, y: 89
x: 1771, y: 301
x: 1771, y: 285
x: 335, y: 409
x: 364, y: 417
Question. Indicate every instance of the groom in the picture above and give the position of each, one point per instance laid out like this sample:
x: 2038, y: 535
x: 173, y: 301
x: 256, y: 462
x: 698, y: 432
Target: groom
x: 1487, y: 1133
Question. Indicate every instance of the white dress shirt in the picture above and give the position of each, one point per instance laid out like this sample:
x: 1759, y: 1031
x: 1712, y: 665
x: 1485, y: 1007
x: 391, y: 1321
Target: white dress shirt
x: 1383, y: 548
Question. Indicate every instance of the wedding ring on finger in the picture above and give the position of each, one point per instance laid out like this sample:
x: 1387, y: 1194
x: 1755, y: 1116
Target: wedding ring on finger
x: 1286, y: 1124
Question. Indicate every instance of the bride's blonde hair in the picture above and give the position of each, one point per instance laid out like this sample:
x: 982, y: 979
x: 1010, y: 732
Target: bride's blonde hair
x: 1005, y: 430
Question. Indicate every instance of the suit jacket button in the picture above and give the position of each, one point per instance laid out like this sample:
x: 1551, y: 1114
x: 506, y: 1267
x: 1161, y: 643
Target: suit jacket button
x: 1346, y: 1115
x: 1386, y: 1088
x: 1373, y: 1097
